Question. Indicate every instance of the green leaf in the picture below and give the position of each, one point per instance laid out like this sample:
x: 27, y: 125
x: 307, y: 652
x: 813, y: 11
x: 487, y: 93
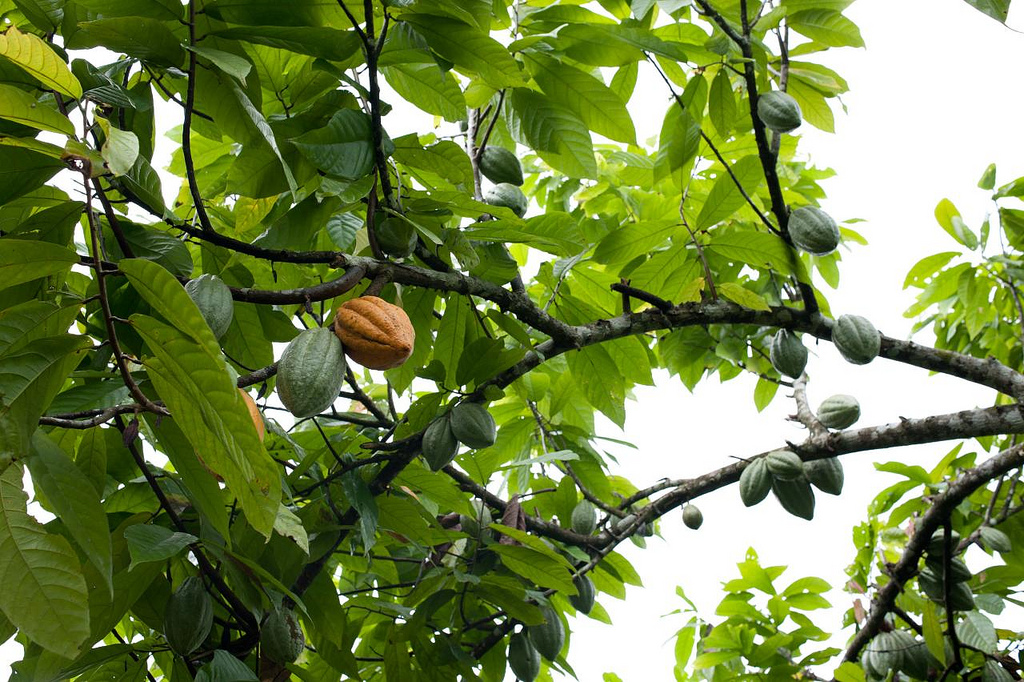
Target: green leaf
x: 950, y: 220
x: 977, y: 631
x: 469, y: 48
x: 167, y: 10
x: 193, y: 382
x: 633, y: 239
x: 316, y: 41
x: 290, y: 526
x: 933, y: 637
x: 814, y: 106
x: 21, y: 107
x: 144, y: 183
x: 598, y: 107
x: 722, y: 106
x: 120, y: 150
x: 428, y: 87
x: 826, y: 26
x: 36, y: 57
x: 725, y: 197
x: 139, y: 37
x: 24, y: 170
x: 997, y: 9
x: 601, y: 381
x: 74, y: 500
x: 44, y: 593
x: 147, y: 542
x: 23, y: 261
x: 557, y: 134
x: 444, y: 158
x: 758, y: 249
x: 540, y: 569
x: 256, y: 116
x: 745, y: 297
x: 152, y: 244
x: 988, y: 178
x: 231, y: 64
x: 344, y: 148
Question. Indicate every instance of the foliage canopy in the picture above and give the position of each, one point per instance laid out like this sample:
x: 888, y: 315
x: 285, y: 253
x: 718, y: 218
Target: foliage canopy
x: 199, y: 535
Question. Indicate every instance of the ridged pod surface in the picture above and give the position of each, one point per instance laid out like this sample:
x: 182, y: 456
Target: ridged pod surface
x: 788, y: 353
x: 585, y: 595
x: 839, y: 411
x: 281, y: 638
x: 813, y: 230
x: 856, y: 339
x: 915, y: 659
x: 826, y: 475
x: 523, y: 657
x: 692, y: 517
x: 188, y: 617
x: 254, y: 412
x: 473, y: 425
x: 882, y: 655
x: 508, y: 195
x: 755, y: 482
x: 549, y: 636
x: 213, y: 298
x: 501, y: 165
x: 779, y: 111
x: 311, y: 372
x: 439, y: 443
x: 795, y: 496
x: 784, y: 464
x: 584, y: 518
x: 374, y: 333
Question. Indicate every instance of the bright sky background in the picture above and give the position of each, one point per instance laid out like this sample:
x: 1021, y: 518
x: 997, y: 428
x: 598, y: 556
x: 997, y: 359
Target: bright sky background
x: 934, y: 99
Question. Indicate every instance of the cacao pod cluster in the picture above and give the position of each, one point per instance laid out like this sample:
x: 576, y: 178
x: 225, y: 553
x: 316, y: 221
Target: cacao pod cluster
x: 897, y: 651
x: 369, y: 330
x: 783, y: 473
x: 936, y: 570
x: 188, y: 617
x: 467, y: 423
x: 502, y: 167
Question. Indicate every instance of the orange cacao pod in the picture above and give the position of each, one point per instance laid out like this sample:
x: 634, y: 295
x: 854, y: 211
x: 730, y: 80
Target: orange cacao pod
x: 374, y: 333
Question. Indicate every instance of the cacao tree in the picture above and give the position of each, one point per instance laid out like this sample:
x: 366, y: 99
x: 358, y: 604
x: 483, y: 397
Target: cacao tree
x: 330, y: 396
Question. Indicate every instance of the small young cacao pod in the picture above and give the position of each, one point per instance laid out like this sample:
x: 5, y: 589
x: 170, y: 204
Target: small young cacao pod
x: 188, y: 617
x: 788, y: 353
x: 473, y: 425
x: 213, y: 298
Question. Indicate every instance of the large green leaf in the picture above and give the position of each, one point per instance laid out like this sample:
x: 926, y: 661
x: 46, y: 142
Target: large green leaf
x: 23, y: 170
x: 277, y: 13
x: 147, y: 542
x: 826, y: 26
x: 759, y: 249
x: 540, y: 569
x: 725, y: 197
x: 316, y: 41
x: 23, y: 261
x: 146, y: 39
x: 344, y: 148
x: 19, y: 106
x: 997, y: 9
x: 167, y: 10
x: 553, y: 131
x: 595, y: 103
x: 75, y: 501
x: 44, y: 593
x: 469, y: 48
x: 33, y: 55
x: 429, y: 88
x: 201, y: 396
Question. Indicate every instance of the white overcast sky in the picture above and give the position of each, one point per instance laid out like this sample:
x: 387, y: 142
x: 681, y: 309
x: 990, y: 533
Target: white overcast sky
x: 934, y: 98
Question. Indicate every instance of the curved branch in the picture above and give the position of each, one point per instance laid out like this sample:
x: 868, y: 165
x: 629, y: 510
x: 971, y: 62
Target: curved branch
x: 906, y: 567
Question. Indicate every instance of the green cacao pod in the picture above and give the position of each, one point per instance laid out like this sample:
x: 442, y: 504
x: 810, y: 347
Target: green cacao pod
x: 508, y: 195
x: 825, y: 474
x: 188, y: 617
x: 755, y: 482
x: 623, y: 524
x: 785, y: 465
x: 958, y: 570
x: 960, y: 597
x: 311, y: 372
x: 213, y: 298
x: 585, y: 595
x: 937, y: 543
x: 788, y: 353
x: 549, y: 636
x: 523, y: 657
x: 395, y: 237
x: 692, y: 517
x: 501, y: 165
x: 886, y: 655
x: 856, y: 338
x: 914, y: 657
x: 779, y: 111
x: 473, y: 425
x: 813, y: 230
x: 439, y: 444
x: 795, y: 496
x: 584, y: 518
x: 281, y: 638
x: 839, y: 411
